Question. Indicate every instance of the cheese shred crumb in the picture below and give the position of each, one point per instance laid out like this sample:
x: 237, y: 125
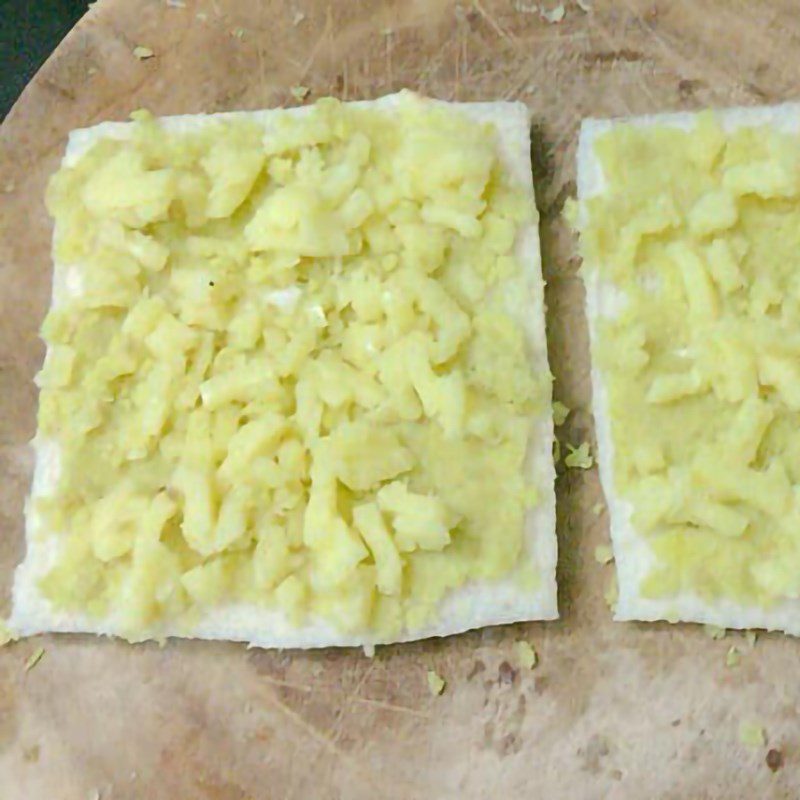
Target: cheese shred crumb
x: 6, y: 634
x: 142, y: 53
x: 603, y: 554
x: 553, y: 15
x: 34, y: 659
x: 526, y: 655
x: 752, y: 734
x: 733, y: 657
x: 436, y: 683
x: 579, y: 457
x: 714, y: 631
x: 560, y: 412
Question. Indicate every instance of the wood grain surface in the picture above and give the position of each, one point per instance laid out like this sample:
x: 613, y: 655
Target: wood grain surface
x: 613, y: 710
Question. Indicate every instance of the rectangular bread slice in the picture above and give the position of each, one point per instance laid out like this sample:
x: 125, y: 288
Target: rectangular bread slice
x: 633, y: 553
x: 471, y: 606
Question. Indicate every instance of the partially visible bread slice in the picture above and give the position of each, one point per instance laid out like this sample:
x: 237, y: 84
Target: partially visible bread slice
x: 632, y: 552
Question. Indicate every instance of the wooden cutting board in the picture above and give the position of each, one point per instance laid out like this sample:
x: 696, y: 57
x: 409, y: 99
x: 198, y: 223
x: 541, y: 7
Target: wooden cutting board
x: 613, y: 710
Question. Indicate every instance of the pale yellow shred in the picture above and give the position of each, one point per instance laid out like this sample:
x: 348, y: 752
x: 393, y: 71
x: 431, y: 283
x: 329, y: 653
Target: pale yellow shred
x: 579, y: 457
x: 714, y: 631
x: 553, y: 15
x: 597, y: 509
x: 584, y: 6
x: 299, y: 92
x: 733, y: 657
x: 527, y: 657
x: 142, y: 53
x: 603, y: 554
x: 6, y: 634
x: 34, y: 659
x: 560, y: 412
x: 752, y: 734
x: 436, y: 683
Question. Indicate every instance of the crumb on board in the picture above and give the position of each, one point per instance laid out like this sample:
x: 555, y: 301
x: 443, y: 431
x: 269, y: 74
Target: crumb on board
x: 579, y: 457
x: 597, y: 509
x: 33, y: 659
x: 584, y: 5
x: 714, y: 631
x: 553, y: 15
x: 752, y: 734
x: 733, y: 657
x: 526, y: 8
x: 560, y: 412
x: 369, y: 650
x: 238, y: 33
x: 299, y: 92
x: 142, y: 53
x: 436, y: 683
x: 603, y: 554
x: 527, y: 657
x: 201, y: 16
x: 7, y: 635
x: 298, y: 17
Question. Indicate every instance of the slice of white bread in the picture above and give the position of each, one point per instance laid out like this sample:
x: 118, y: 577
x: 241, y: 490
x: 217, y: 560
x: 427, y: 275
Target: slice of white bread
x: 472, y: 606
x: 632, y: 552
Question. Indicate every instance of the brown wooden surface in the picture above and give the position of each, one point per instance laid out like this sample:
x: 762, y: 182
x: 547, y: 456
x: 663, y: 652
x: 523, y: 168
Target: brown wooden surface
x: 613, y: 710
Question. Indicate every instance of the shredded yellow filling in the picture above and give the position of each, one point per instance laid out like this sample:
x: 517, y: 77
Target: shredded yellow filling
x: 698, y: 232
x: 288, y: 369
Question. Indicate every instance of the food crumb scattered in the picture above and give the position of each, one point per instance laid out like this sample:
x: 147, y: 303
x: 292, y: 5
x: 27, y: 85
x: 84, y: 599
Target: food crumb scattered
x: 733, y: 657
x: 774, y: 759
x: 34, y: 659
x: 436, y: 683
x: 714, y: 631
x: 526, y: 8
x: 369, y: 650
x: 751, y: 637
x: 579, y: 457
x: 584, y: 5
x: 611, y: 593
x: 526, y: 655
x: 560, y: 412
x: 752, y: 734
x: 142, y: 53
x: 299, y: 92
x: 298, y: 17
x: 553, y: 15
x: 603, y: 554
x: 238, y: 33
x: 6, y: 634
x: 597, y: 509
x: 202, y: 16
